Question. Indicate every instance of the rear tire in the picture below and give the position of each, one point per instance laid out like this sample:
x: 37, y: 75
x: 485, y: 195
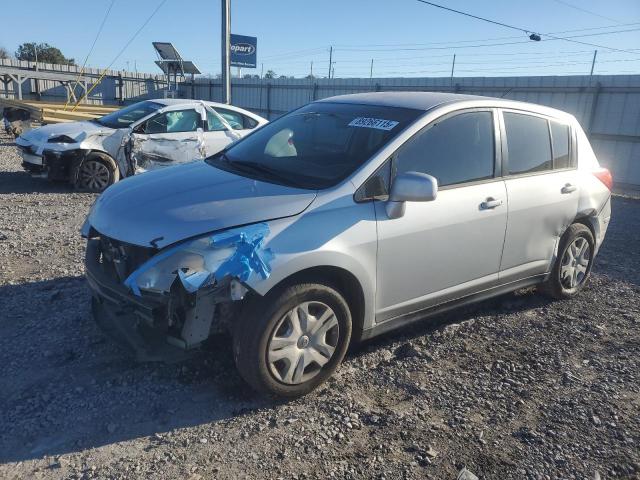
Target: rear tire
x: 573, y: 264
x: 96, y: 173
x: 289, y: 342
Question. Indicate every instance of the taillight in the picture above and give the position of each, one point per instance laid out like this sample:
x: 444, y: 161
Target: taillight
x: 605, y: 177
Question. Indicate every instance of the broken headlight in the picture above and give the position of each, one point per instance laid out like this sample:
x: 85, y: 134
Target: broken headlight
x: 236, y: 253
x: 193, y: 262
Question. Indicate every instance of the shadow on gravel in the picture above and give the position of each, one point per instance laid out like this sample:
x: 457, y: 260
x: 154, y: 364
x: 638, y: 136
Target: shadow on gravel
x: 23, y: 182
x: 66, y: 388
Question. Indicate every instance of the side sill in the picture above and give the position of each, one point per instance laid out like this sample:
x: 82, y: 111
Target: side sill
x: 413, y: 317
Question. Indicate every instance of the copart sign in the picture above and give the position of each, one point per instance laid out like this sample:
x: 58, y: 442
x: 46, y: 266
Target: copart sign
x: 244, y: 51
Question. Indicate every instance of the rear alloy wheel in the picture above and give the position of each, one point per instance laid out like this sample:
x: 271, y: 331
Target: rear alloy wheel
x: 573, y: 265
x: 293, y: 339
x: 96, y: 174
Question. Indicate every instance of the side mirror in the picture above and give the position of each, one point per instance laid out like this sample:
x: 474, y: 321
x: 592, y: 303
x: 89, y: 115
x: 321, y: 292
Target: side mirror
x: 410, y: 187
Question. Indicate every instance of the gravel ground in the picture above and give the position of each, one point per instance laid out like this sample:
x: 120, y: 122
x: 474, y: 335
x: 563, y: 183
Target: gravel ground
x: 517, y: 387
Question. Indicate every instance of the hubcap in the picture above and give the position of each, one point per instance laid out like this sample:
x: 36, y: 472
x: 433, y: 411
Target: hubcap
x: 575, y: 261
x: 94, y: 175
x: 303, y: 342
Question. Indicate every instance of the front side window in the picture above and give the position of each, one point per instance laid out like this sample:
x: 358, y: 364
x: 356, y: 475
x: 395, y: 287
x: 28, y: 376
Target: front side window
x: 126, y: 116
x: 316, y: 146
x: 560, y: 142
x: 173, y: 122
x: 528, y: 143
x: 458, y: 149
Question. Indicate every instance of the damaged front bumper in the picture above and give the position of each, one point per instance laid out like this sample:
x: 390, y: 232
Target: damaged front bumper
x: 52, y: 164
x: 153, y: 326
x: 154, y: 301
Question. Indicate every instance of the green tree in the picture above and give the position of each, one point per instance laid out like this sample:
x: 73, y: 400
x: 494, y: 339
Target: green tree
x: 45, y: 53
x: 270, y: 74
x: 4, y: 53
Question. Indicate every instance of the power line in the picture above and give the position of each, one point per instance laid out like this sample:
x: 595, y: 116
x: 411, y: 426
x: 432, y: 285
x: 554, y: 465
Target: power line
x: 570, y: 5
x: 104, y: 72
x: 552, y: 38
x: 84, y: 64
x: 524, y: 30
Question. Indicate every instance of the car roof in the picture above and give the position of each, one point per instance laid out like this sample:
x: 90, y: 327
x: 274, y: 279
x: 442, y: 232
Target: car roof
x: 428, y: 100
x: 190, y: 101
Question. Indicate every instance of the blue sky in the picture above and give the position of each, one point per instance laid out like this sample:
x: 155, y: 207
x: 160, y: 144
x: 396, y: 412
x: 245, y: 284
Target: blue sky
x: 404, y: 37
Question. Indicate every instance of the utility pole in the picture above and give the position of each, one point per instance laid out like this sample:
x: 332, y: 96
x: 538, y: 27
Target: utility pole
x: 453, y: 66
x: 593, y: 63
x: 226, y: 50
x: 261, y: 71
x: 371, y: 71
x: 311, y: 70
x: 330, y: 59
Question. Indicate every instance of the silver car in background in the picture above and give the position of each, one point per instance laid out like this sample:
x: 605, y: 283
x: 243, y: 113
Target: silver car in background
x: 144, y: 136
x: 344, y: 219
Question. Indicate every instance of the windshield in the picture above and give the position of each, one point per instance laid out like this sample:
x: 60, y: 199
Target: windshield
x: 316, y: 146
x: 126, y: 116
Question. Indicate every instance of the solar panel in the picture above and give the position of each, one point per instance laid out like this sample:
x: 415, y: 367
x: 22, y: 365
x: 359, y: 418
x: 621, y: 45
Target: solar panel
x: 166, y: 51
x: 172, y: 66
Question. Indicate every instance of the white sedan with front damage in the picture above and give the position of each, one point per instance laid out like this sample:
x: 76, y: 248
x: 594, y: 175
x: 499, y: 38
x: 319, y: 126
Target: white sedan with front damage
x: 144, y: 136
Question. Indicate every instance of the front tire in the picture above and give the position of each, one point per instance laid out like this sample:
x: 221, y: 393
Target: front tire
x: 572, y: 268
x: 291, y: 341
x: 96, y: 173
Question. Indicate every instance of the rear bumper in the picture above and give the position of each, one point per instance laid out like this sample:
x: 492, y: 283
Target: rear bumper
x: 603, y: 218
x: 139, y: 324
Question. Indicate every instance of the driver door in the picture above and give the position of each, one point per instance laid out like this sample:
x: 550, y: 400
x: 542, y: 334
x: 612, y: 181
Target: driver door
x: 172, y: 136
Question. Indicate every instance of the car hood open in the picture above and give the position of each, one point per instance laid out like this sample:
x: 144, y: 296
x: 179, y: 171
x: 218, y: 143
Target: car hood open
x: 165, y: 206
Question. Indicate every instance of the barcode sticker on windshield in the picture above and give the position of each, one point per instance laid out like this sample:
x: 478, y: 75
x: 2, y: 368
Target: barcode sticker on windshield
x: 377, y: 123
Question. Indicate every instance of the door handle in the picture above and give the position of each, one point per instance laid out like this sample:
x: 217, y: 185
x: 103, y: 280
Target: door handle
x: 490, y: 203
x: 568, y: 188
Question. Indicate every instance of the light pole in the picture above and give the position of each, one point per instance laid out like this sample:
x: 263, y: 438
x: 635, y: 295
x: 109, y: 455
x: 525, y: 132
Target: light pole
x: 226, y: 50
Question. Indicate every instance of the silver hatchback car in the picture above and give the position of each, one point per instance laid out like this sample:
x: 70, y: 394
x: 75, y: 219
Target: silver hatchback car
x: 341, y: 220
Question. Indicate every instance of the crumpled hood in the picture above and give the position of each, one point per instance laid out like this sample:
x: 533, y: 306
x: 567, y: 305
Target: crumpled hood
x: 76, y: 130
x: 176, y: 203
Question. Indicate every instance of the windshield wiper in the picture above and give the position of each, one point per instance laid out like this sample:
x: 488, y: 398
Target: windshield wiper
x: 259, y: 168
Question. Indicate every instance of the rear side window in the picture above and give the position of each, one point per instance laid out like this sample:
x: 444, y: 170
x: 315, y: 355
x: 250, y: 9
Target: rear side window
x: 213, y: 123
x: 455, y: 150
x: 528, y: 143
x: 237, y: 120
x: 560, y: 142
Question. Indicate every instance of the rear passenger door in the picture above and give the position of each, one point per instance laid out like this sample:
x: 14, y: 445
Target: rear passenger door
x: 542, y: 188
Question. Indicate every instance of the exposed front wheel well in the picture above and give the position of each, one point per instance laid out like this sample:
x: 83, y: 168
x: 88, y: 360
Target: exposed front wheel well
x: 340, y: 279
